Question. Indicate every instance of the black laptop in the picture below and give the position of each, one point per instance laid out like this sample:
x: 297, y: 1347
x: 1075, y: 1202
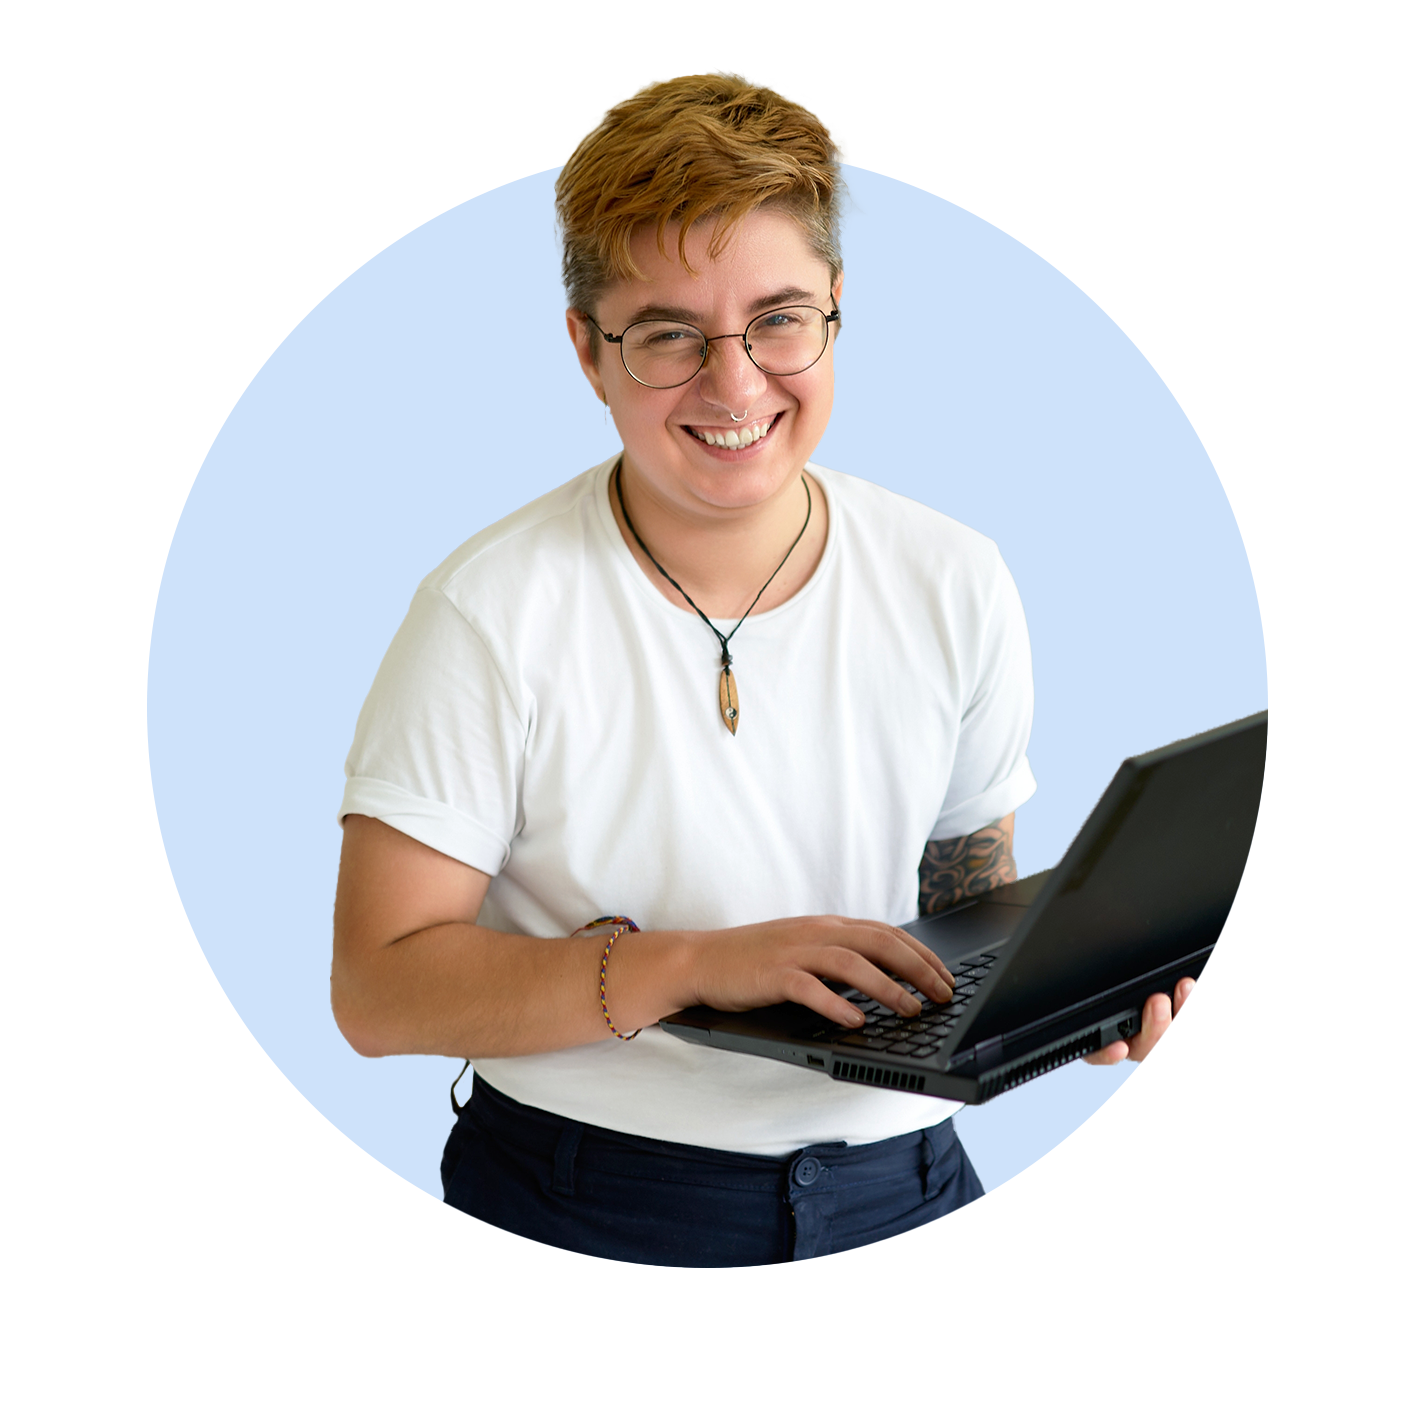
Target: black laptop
x: 1059, y: 964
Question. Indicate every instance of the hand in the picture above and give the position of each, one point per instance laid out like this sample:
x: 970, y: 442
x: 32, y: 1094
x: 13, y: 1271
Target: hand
x: 785, y: 960
x: 1156, y: 1017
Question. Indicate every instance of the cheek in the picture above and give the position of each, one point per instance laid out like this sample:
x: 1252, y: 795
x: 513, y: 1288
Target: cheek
x: 816, y: 400
x: 645, y: 416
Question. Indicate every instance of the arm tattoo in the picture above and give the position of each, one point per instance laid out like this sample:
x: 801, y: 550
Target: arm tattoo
x: 952, y: 870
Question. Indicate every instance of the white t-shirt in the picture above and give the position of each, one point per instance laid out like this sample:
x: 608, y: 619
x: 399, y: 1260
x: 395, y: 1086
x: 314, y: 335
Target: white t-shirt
x: 545, y: 715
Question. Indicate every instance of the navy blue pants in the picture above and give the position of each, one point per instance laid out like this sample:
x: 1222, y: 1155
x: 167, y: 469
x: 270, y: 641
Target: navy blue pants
x: 649, y: 1201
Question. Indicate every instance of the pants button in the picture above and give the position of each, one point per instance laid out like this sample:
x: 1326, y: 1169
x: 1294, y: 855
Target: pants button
x: 807, y: 1170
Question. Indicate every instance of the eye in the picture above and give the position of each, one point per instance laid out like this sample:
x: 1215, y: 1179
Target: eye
x: 659, y: 340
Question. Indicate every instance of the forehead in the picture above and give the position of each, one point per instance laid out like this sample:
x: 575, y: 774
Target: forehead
x: 767, y: 261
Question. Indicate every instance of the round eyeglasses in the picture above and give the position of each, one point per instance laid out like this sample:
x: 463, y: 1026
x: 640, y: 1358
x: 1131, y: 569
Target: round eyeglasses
x: 665, y: 353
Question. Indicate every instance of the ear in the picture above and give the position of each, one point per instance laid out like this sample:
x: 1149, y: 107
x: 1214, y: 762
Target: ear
x: 582, y: 337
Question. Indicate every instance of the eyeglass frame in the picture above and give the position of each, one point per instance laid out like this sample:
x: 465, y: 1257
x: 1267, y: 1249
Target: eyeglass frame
x: 832, y: 318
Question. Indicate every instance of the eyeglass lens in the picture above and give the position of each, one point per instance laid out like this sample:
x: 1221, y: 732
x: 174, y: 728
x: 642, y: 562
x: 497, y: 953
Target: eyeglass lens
x: 663, y: 353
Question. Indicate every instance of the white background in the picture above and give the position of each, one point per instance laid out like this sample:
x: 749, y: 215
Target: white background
x: 85, y: 89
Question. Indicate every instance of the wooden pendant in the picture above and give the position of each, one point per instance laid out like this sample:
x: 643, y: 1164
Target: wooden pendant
x: 727, y: 699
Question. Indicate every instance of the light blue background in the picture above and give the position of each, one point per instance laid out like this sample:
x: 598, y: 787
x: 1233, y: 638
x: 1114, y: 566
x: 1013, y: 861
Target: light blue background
x: 434, y: 391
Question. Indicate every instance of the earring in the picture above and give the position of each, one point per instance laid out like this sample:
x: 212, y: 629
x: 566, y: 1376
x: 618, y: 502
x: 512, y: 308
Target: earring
x: 606, y: 412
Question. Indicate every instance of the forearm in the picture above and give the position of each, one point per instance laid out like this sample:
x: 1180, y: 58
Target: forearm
x: 954, y: 870
x: 458, y: 989
x: 413, y: 973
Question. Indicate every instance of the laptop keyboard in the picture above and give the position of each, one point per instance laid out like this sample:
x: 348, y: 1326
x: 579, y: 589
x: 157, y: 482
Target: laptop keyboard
x: 888, y: 1034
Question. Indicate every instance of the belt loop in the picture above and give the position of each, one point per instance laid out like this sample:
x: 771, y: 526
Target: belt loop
x: 566, y: 1148
x: 458, y: 1109
x: 926, y: 1159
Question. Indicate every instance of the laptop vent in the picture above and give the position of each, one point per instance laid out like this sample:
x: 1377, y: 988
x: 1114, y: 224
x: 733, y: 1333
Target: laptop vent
x: 878, y: 1076
x: 1005, y: 1078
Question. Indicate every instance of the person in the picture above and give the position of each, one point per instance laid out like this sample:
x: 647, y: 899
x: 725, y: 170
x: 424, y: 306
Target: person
x: 742, y: 714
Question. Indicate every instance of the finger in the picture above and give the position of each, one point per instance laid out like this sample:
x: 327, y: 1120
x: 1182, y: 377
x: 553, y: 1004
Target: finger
x: 910, y: 972
x: 847, y: 965
x: 810, y: 992
x: 896, y: 952
x: 1154, y: 1021
x: 1181, y: 993
x: 920, y: 950
x: 926, y: 953
x: 886, y: 969
x: 1108, y: 1056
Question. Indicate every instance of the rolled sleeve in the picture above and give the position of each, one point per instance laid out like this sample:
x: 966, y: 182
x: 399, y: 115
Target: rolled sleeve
x: 439, y: 749
x: 433, y: 823
x: 991, y: 776
x: 991, y: 805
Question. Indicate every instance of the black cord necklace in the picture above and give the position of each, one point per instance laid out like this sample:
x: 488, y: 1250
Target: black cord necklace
x: 727, y: 685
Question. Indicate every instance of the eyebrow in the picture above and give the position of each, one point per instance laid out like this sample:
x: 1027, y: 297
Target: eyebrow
x: 790, y: 296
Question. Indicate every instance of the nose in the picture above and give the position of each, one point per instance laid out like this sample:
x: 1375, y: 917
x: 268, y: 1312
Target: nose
x: 729, y: 379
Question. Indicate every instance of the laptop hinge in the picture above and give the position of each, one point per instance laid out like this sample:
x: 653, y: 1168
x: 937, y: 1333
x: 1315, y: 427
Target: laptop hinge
x: 988, y: 1054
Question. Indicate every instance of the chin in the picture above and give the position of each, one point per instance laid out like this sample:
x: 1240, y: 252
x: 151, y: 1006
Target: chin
x: 734, y: 487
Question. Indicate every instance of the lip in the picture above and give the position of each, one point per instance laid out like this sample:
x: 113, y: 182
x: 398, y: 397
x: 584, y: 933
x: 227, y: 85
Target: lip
x: 732, y: 454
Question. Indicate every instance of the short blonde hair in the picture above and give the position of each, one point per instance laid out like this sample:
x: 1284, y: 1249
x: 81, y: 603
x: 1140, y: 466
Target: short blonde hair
x: 704, y: 145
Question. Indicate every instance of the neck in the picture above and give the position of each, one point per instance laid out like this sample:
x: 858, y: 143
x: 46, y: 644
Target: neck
x: 722, y: 557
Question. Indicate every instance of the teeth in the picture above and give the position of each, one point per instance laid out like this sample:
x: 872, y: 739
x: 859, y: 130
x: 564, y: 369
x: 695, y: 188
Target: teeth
x: 733, y: 437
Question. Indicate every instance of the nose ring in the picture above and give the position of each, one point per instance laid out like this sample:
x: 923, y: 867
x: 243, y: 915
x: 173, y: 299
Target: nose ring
x: 735, y: 418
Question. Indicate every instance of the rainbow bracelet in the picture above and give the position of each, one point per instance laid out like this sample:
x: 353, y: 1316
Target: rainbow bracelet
x: 624, y: 926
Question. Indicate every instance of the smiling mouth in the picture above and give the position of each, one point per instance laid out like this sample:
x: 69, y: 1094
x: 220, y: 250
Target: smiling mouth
x: 735, y: 438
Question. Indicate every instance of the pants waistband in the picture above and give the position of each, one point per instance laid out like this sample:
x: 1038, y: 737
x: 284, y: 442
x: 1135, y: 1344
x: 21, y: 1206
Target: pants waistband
x: 565, y: 1141
x: 615, y: 1195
